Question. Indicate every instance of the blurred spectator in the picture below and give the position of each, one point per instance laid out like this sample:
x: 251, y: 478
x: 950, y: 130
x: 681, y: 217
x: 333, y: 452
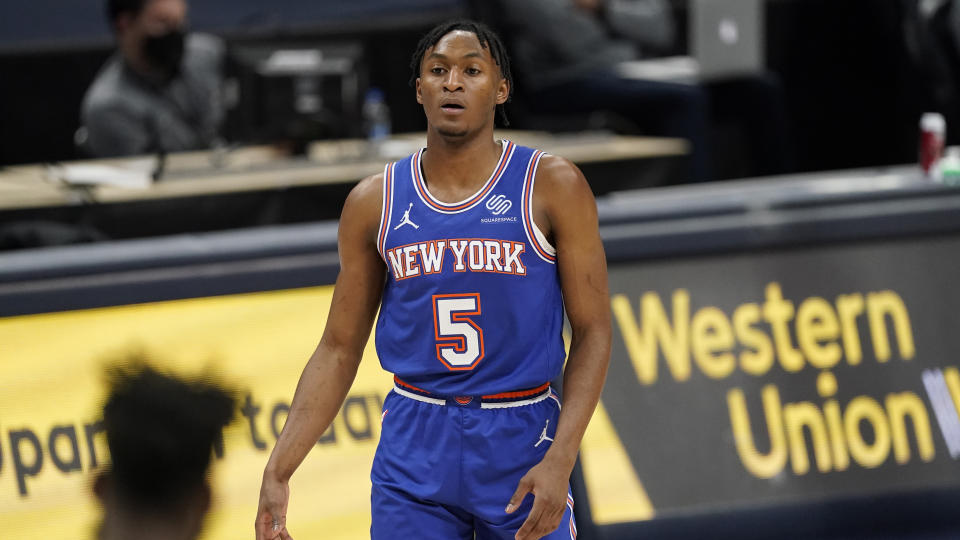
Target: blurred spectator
x: 161, y: 90
x: 161, y: 432
x: 932, y: 34
x: 567, y: 52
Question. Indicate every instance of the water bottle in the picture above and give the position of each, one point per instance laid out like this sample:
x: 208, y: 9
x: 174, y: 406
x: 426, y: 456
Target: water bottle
x: 376, y: 119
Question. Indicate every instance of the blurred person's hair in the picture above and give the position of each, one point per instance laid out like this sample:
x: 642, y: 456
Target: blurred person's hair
x: 161, y: 431
x: 488, y: 40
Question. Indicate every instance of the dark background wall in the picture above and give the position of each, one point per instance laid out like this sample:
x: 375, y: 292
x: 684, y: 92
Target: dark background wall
x: 854, y: 98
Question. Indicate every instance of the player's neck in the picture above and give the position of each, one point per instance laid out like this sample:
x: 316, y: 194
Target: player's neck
x: 122, y: 521
x: 122, y: 526
x: 460, y: 163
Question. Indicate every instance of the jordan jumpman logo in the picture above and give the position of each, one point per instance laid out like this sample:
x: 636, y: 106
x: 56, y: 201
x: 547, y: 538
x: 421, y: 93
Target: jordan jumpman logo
x: 543, y: 435
x: 406, y: 219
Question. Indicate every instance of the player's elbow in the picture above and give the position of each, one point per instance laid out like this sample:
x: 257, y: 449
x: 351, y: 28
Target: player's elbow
x: 596, y: 332
x: 337, y: 351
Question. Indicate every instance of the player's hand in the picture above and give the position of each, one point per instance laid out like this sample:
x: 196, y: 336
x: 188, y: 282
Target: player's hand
x: 548, y: 482
x: 272, y: 514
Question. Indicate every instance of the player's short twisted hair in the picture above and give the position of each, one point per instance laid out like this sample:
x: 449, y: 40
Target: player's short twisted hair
x: 161, y: 431
x: 488, y: 40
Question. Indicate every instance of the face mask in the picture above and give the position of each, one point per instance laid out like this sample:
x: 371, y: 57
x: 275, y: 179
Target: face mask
x: 165, y: 51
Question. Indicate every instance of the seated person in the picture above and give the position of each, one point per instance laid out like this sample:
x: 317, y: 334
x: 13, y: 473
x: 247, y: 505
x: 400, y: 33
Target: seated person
x: 567, y: 53
x: 160, y: 92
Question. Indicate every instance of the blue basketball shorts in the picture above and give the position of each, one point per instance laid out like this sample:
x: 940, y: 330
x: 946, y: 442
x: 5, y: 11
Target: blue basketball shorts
x: 446, y: 467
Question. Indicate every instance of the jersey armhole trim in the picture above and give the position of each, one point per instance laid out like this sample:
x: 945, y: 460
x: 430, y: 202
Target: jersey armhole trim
x: 386, y: 210
x: 537, y: 239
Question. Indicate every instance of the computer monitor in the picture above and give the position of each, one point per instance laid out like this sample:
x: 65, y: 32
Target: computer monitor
x: 294, y: 93
x: 726, y: 37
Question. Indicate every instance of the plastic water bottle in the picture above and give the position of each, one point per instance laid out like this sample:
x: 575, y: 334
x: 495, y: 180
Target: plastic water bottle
x: 376, y: 119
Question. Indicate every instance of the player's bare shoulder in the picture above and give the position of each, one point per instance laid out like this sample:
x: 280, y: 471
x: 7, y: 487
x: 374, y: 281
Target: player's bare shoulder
x: 367, y: 193
x: 361, y: 211
x: 561, y: 189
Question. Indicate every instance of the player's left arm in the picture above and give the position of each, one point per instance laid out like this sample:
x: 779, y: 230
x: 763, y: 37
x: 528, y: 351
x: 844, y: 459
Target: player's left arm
x: 566, y: 212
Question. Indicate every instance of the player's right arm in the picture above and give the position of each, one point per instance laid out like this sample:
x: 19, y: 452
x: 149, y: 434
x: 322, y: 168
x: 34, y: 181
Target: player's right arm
x: 331, y: 369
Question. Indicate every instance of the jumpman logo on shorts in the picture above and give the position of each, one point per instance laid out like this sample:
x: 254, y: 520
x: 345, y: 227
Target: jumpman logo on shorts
x: 406, y: 219
x: 543, y: 435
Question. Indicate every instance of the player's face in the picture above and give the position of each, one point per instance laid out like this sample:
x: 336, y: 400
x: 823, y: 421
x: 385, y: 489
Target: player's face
x: 460, y: 85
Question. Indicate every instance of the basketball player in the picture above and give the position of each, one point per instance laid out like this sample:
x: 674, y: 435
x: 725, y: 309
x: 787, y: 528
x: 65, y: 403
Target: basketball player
x: 471, y: 248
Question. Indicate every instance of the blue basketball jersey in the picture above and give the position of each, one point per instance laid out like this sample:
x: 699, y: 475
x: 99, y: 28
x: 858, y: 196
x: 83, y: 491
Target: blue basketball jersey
x: 472, y: 302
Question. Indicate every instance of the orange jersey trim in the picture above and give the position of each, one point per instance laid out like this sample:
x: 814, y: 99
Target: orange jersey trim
x: 484, y: 191
x: 521, y: 393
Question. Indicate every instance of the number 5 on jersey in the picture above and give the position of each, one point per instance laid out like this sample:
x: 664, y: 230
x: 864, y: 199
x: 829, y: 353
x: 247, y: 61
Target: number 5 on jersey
x: 459, y: 339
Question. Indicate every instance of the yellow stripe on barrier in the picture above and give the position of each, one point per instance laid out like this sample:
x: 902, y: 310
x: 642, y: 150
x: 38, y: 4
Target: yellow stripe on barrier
x: 616, y: 494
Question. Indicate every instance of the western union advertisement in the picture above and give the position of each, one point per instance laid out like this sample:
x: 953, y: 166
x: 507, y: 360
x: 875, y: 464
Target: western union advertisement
x: 52, y: 444
x: 761, y: 379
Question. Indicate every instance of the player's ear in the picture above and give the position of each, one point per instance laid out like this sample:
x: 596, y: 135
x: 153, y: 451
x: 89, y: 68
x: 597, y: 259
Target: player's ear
x: 419, y: 94
x: 503, y: 91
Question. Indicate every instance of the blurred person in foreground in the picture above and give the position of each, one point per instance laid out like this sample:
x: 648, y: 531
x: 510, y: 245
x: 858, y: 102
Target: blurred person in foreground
x: 161, y: 90
x: 161, y: 431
